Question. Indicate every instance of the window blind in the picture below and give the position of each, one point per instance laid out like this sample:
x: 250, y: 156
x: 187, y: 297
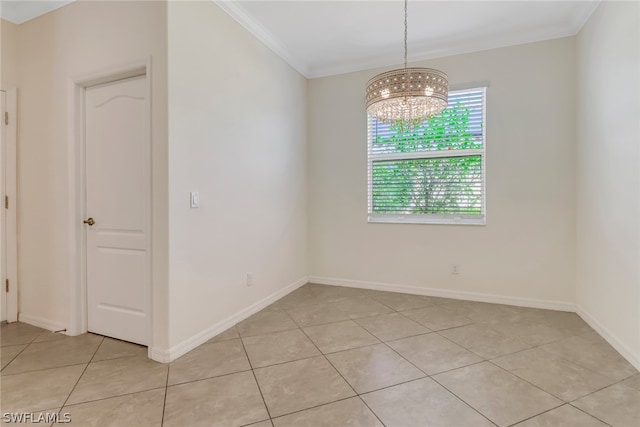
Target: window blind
x: 433, y: 172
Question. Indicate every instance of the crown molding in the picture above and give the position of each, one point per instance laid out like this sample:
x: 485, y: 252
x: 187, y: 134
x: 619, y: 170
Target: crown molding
x: 423, y: 53
x: 417, y: 53
x: 233, y: 9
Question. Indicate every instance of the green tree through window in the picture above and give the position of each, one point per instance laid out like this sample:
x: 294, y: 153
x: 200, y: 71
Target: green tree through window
x: 433, y: 170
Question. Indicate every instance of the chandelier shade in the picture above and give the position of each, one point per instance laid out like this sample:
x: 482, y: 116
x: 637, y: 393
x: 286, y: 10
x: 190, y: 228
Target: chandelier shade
x: 407, y: 94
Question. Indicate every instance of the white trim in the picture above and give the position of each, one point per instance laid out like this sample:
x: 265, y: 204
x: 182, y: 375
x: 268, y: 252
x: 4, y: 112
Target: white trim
x: 621, y: 348
x: 171, y: 354
x: 427, y: 219
x: 257, y: 30
x: 9, y: 182
x: 41, y: 322
x: 446, y: 293
x: 75, y: 179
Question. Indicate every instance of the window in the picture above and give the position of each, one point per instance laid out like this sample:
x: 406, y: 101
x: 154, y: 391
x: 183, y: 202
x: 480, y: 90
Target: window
x: 434, y: 172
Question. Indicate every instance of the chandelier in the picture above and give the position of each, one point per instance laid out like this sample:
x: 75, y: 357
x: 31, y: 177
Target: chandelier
x: 407, y: 95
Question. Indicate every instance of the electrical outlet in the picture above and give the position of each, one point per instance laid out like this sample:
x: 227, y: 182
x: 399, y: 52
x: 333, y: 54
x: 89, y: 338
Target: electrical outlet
x: 455, y: 268
x: 249, y: 279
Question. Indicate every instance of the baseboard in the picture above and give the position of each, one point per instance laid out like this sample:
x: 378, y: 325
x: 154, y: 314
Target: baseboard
x: 624, y: 351
x: 171, y: 354
x: 41, y: 322
x: 446, y: 293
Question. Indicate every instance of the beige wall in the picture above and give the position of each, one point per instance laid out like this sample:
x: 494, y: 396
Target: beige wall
x: 237, y: 134
x: 608, y: 219
x: 8, y: 55
x: 526, y: 250
x: 83, y: 37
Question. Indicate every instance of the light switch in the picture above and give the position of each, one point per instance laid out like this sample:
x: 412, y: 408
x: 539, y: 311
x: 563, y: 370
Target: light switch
x: 194, y: 198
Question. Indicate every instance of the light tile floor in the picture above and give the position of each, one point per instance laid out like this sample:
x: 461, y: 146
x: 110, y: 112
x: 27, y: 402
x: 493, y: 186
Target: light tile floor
x: 332, y: 356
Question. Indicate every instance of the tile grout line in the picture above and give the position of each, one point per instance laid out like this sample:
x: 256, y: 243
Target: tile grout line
x: 43, y: 369
x: 255, y: 378
x: 81, y: 375
x: 549, y: 410
x: 548, y: 392
x: 591, y: 415
x: 343, y: 379
x: 490, y: 361
x: 553, y: 355
x: 114, y: 397
x: 397, y: 339
x: 593, y: 392
x: 27, y: 345
x: 564, y: 402
x: 208, y: 378
x: 575, y: 362
x: 330, y: 323
x: 309, y: 408
x: 14, y: 357
x: 371, y: 409
x: 108, y: 397
x: 464, y: 401
x: 427, y: 375
x: 166, y: 391
x: 403, y: 313
x: 436, y: 381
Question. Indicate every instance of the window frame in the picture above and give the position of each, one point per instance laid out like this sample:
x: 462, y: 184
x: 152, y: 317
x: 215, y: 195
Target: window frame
x: 430, y: 218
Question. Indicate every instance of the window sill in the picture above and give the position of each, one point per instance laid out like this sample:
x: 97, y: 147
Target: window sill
x: 424, y: 219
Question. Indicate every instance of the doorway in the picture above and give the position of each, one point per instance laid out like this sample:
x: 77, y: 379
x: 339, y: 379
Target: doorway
x: 117, y: 208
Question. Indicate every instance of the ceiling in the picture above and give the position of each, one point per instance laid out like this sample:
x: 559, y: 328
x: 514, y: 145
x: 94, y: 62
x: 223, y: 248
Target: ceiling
x: 19, y: 11
x: 321, y: 38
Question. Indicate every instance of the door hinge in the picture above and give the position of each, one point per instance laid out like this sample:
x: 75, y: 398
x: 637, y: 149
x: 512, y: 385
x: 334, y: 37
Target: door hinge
x: 6, y: 202
x: 6, y: 285
x: 6, y: 117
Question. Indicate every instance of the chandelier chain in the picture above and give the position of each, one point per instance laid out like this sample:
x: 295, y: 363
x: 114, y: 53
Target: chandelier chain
x: 405, y: 33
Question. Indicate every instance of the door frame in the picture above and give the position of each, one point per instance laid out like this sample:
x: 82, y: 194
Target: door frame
x: 78, y: 313
x: 10, y: 231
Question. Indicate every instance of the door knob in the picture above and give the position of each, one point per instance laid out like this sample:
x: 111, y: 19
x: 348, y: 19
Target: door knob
x: 89, y: 221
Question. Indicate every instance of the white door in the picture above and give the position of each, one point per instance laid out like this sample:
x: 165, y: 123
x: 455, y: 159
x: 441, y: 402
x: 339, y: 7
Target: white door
x: 118, y: 200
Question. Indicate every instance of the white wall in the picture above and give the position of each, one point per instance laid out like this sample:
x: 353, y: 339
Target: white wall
x: 527, y: 248
x: 81, y: 38
x: 237, y: 134
x: 608, y: 205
